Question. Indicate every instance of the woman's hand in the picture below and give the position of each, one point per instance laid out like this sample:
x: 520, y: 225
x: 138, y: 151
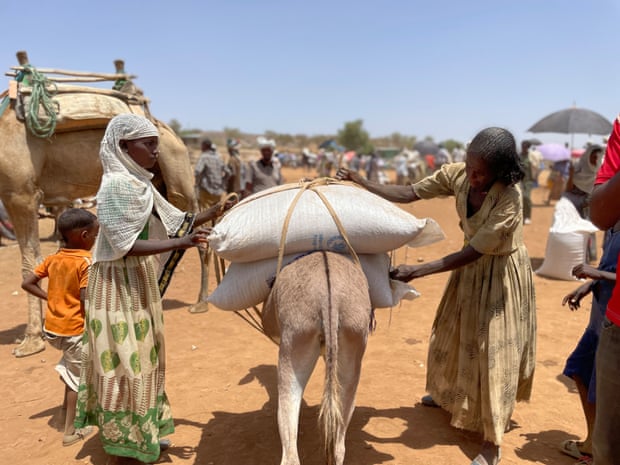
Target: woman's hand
x: 345, y: 174
x: 406, y: 273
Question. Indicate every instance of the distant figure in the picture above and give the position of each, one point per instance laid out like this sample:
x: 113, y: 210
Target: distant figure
x: 211, y: 176
x: 355, y: 163
x: 326, y: 162
x: 527, y: 182
x: 400, y: 166
x: 306, y: 156
x: 416, y: 167
x: 581, y: 179
x: 67, y: 274
x: 237, y: 169
x: 442, y: 157
x: 265, y: 172
x: 373, y: 166
x: 557, y: 179
x: 536, y: 161
x: 458, y: 154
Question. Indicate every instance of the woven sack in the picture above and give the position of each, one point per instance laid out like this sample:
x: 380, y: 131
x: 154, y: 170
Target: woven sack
x: 247, y: 284
x: 253, y: 229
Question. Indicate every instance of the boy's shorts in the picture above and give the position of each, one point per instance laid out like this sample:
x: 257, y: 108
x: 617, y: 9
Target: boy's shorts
x: 69, y: 364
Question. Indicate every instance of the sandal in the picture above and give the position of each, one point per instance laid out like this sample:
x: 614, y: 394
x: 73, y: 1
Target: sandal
x: 70, y: 439
x: 571, y: 447
x: 428, y: 401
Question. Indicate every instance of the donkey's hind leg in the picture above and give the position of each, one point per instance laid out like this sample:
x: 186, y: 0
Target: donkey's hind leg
x: 297, y: 359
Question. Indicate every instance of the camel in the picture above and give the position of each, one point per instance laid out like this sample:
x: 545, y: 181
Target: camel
x: 318, y: 302
x: 64, y: 167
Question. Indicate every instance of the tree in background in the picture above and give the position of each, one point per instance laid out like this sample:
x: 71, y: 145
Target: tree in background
x: 232, y: 133
x: 450, y: 144
x: 175, y: 125
x: 353, y: 136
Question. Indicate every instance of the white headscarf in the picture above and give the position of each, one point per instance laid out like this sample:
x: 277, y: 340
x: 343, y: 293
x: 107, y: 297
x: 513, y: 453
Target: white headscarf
x: 264, y: 142
x: 126, y: 197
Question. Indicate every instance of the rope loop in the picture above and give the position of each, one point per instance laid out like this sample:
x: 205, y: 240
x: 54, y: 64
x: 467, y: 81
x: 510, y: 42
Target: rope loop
x: 44, y: 125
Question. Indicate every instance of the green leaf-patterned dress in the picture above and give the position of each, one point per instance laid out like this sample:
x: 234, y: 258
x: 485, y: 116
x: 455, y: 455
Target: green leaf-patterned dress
x: 123, y: 361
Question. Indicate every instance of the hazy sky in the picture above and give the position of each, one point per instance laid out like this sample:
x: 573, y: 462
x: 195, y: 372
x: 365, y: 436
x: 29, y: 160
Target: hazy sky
x: 436, y: 68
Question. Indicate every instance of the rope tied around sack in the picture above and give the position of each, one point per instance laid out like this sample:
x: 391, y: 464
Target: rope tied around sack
x: 41, y: 126
x: 312, y: 186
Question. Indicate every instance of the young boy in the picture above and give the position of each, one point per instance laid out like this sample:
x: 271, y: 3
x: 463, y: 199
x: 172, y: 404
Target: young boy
x: 67, y: 273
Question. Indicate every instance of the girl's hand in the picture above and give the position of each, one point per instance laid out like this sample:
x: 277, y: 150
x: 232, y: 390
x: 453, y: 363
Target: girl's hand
x: 195, y: 238
x: 574, y: 298
x: 583, y: 271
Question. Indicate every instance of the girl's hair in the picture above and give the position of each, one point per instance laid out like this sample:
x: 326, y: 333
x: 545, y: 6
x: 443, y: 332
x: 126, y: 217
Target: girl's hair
x: 74, y: 218
x: 498, y: 148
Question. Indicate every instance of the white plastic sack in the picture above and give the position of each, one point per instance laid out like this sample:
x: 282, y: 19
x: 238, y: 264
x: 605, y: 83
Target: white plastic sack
x: 252, y: 230
x: 567, y: 242
x: 566, y: 219
x: 564, y: 251
x: 247, y: 284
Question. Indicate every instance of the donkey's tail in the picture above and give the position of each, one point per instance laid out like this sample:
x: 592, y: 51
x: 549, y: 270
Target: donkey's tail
x: 330, y: 414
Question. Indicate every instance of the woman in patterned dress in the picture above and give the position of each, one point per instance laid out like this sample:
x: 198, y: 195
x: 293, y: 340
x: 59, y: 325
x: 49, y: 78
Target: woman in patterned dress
x: 482, y: 348
x: 122, y: 383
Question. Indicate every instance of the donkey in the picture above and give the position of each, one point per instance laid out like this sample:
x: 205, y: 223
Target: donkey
x: 318, y: 303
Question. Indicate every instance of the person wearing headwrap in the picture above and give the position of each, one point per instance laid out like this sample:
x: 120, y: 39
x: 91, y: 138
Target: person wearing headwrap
x: 122, y: 381
x: 265, y: 172
x: 581, y: 178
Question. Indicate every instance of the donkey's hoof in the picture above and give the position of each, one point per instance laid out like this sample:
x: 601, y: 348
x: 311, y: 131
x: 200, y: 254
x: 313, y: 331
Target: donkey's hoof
x: 200, y: 307
x: 29, y: 346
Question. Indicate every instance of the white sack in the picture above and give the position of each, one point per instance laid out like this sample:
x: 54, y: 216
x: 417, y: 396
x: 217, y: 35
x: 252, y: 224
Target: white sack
x: 564, y: 251
x: 566, y: 218
x: 252, y: 229
x: 566, y: 243
x: 247, y: 284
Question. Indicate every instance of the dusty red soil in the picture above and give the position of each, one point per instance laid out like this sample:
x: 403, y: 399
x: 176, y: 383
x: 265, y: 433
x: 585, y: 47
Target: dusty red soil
x: 222, y: 377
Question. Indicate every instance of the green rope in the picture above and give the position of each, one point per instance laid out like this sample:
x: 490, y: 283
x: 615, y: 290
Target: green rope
x: 45, y: 125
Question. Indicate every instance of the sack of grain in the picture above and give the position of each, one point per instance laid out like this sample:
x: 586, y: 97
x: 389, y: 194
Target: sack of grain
x: 247, y: 284
x: 253, y: 229
x: 566, y: 243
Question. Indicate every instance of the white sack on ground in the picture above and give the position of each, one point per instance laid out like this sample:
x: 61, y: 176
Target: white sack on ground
x: 566, y: 243
x: 252, y: 230
x: 247, y: 284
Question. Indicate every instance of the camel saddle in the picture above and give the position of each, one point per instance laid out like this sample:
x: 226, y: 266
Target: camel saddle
x: 80, y: 107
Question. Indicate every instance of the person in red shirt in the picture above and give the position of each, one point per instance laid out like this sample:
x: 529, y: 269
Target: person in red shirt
x: 67, y: 274
x: 604, y: 213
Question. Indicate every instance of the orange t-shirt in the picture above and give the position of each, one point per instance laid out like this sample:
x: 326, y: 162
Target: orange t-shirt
x: 67, y: 273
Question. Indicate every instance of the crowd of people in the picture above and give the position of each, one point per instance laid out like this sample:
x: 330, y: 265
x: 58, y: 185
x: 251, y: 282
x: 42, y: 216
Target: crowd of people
x: 108, y: 322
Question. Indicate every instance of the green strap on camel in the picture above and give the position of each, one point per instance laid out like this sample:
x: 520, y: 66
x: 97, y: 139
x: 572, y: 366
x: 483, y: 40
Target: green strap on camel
x: 41, y: 126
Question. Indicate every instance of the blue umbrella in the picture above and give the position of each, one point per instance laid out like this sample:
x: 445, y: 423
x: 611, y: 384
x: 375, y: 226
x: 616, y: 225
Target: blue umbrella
x: 331, y: 144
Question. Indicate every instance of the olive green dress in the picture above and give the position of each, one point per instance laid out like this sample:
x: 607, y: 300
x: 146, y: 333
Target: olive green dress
x: 483, y: 343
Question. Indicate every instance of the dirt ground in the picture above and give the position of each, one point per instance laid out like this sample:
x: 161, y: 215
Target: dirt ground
x: 221, y: 377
